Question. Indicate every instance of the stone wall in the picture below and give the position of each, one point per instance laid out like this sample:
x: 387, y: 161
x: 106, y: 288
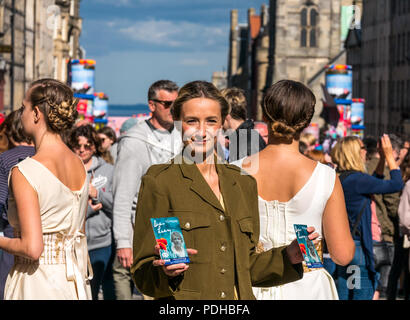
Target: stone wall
x: 38, y: 31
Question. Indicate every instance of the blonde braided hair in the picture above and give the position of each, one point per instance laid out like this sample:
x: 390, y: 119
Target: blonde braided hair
x: 56, y: 101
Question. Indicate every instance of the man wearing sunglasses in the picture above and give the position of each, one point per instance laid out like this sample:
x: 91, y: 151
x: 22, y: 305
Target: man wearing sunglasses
x: 148, y: 142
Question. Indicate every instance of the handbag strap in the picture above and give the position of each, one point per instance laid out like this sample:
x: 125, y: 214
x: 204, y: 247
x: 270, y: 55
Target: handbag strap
x: 343, y: 175
x: 359, y: 216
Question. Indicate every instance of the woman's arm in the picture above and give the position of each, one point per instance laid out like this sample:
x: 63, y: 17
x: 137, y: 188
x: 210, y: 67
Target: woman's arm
x: 30, y: 244
x: 149, y: 279
x: 388, y: 152
x: 379, y: 171
x: 366, y: 184
x: 336, y: 229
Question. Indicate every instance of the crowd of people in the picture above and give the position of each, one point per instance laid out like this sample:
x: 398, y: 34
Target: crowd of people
x: 76, y: 202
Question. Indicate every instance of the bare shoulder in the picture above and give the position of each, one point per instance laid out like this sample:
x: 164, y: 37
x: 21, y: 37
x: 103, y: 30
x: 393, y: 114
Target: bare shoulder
x: 270, y: 163
x: 64, y: 164
x: 19, y: 182
x: 250, y: 160
x: 60, y: 157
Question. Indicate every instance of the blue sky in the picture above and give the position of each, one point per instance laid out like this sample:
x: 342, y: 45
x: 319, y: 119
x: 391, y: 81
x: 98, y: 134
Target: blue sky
x: 136, y: 42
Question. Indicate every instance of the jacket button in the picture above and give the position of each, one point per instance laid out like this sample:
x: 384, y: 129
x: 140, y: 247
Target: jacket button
x: 221, y: 217
x: 223, y: 295
x: 223, y: 248
x: 187, y: 225
x: 223, y: 271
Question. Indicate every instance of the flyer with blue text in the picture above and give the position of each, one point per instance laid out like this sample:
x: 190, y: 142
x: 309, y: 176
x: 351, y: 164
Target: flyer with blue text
x: 168, y: 235
x: 307, y: 247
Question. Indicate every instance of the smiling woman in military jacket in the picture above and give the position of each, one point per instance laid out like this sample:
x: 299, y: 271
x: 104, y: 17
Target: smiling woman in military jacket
x: 218, y: 211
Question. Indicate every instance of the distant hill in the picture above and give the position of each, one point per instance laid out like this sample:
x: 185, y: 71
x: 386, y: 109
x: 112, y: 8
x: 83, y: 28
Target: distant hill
x: 127, y: 110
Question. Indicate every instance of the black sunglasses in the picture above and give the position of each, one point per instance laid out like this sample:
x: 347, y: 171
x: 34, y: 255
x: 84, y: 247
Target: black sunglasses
x: 87, y: 146
x: 165, y: 103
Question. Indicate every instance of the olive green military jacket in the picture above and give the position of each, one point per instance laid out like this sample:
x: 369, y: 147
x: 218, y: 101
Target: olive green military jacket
x: 226, y: 240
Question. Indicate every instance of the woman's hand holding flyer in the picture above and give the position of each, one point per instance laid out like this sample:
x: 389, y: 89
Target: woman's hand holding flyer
x: 170, y: 246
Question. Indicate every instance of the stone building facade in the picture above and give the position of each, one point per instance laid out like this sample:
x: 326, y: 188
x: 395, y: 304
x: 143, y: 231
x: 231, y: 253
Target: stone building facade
x: 306, y: 39
x: 248, y: 56
x: 380, y: 53
x: 219, y: 79
x: 297, y: 39
x: 66, y: 37
x: 41, y: 35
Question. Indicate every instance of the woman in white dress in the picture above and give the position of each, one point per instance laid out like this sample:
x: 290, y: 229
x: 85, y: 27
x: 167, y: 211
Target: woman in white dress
x: 294, y: 189
x: 47, y: 204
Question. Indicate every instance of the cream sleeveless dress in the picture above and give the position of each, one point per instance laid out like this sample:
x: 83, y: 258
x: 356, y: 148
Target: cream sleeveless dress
x: 276, y: 230
x: 62, y: 272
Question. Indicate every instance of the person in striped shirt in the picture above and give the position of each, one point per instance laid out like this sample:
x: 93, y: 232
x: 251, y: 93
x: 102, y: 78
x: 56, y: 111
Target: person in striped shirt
x: 20, y: 147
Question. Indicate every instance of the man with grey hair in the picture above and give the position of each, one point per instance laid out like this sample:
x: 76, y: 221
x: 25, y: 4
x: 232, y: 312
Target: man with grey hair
x: 148, y: 142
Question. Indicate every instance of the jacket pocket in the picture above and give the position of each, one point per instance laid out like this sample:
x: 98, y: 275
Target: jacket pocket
x: 185, y: 294
x: 246, y: 227
x: 191, y: 220
x: 197, y: 232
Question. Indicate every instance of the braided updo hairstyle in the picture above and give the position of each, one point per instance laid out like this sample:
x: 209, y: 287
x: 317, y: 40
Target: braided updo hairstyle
x: 56, y: 101
x: 288, y: 106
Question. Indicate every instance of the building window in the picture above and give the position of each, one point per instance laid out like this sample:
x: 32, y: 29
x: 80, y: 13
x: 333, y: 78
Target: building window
x: 303, y: 38
x: 308, y: 22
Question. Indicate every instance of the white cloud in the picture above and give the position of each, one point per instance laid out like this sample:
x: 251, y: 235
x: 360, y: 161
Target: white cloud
x: 175, y: 33
x: 116, y: 3
x: 193, y: 62
x: 111, y: 24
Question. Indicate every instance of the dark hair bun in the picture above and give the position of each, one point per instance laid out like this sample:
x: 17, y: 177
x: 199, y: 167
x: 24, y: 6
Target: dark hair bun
x: 289, y: 107
x: 281, y: 130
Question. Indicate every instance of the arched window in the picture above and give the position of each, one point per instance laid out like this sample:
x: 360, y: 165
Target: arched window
x: 303, y: 23
x: 303, y: 38
x: 308, y: 22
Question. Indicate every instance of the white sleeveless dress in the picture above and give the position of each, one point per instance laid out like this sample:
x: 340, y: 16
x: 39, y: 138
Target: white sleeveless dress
x: 276, y: 229
x: 63, y: 270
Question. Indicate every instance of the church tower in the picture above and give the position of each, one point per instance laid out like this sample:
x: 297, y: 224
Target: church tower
x: 305, y: 36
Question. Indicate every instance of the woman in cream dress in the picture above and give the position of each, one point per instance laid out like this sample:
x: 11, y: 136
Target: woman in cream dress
x: 293, y: 189
x: 47, y: 204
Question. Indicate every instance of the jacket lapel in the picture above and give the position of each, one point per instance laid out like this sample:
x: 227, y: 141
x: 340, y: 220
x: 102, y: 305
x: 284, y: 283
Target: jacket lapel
x: 228, y: 186
x: 198, y: 183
